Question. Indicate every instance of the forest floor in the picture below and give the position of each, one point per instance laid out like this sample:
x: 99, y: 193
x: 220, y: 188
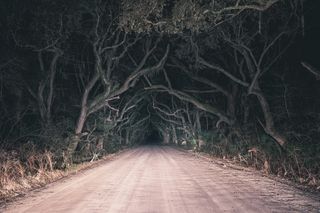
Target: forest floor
x: 165, y: 179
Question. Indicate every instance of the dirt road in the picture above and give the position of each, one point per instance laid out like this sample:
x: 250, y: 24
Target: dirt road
x: 163, y: 179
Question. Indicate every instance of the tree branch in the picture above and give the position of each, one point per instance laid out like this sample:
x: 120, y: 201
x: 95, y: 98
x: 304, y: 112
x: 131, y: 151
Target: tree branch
x: 185, y: 97
x: 311, y: 69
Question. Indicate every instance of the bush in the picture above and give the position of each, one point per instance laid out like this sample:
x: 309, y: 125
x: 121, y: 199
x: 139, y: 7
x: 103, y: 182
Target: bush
x: 297, y: 161
x: 21, y: 170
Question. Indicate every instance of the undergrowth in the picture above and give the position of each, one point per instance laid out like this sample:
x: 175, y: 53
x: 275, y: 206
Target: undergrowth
x: 35, y: 163
x: 297, y: 161
x: 20, y: 171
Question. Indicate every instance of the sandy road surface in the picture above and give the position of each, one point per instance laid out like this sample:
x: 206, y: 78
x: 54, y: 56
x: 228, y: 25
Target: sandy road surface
x: 163, y: 179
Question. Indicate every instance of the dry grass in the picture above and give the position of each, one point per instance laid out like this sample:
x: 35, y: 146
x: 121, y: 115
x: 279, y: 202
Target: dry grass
x: 17, y: 175
x: 29, y: 169
x: 298, y: 161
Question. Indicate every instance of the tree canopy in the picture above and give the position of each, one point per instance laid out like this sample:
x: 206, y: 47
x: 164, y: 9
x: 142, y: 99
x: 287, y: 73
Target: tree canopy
x: 193, y: 70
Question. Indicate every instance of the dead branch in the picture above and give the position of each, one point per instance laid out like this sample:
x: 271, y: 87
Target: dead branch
x: 311, y: 69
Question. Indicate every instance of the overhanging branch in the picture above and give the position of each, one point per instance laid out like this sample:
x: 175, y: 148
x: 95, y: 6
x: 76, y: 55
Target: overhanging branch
x: 186, y: 97
x: 311, y: 69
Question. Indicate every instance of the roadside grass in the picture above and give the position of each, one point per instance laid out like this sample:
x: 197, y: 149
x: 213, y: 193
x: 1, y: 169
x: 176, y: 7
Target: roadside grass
x: 18, y: 174
x: 22, y: 172
x: 298, y: 162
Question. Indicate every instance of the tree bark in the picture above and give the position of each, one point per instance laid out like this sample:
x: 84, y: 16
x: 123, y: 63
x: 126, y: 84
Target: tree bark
x: 254, y: 89
x: 269, y: 126
x: 84, y: 104
x: 174, y: 135
x: 166, y: 137
x: 53, y: 71
x: 74, y: 140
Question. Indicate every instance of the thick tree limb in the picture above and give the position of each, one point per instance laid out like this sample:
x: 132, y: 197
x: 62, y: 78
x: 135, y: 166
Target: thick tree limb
x: 223, y: 71
x: 237, y: 7
x: 200, y: 79
x: 132, y: 79
x: 186, y: 97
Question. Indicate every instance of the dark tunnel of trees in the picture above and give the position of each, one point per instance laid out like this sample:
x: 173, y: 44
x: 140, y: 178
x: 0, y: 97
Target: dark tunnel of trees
x: 153, y: 137
x: 237, y: 79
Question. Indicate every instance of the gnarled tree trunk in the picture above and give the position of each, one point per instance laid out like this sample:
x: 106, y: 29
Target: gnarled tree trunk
x: 269, y: 126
